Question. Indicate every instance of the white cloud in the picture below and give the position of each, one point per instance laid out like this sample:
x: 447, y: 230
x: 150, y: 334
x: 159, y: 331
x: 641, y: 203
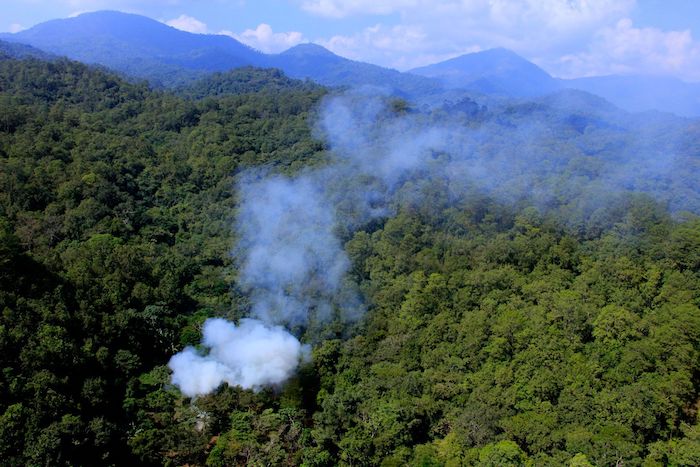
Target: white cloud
x: 189, y: 24
x: 566, y: 37
x: 265, y: 39
x: 401, y: 47
x: 262, y: 37
x: 441, y: 29
x: 560, y: 13
x: 624, y: 48
x: 15, y: 27
x: 343, y: 8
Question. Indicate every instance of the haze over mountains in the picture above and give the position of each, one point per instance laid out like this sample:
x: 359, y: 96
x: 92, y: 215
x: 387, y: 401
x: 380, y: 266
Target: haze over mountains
x: 501, y: 71
x: 144, y: 48
x: 494, y: 71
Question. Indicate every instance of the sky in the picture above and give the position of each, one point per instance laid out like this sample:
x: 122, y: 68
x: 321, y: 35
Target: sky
x: 568, y: 38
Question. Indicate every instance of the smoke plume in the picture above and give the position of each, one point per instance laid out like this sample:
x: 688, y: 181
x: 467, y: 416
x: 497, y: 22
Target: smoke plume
x: 250, y: 355
x: 292, y: 264
x: 564, y: 156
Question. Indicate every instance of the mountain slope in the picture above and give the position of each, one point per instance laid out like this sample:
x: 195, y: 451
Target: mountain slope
x: 641, y: 93
x: 315, y: 62
x: 520, y: 310
x: 502, y: 72
x: 494, y: 71
x: 138, y: 46
x: 144, y: 48
x: 20, y: 51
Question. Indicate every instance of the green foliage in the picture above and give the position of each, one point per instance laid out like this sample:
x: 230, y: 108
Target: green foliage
x: 495, y: 334
x: 246, y: 80
x: 534, y: 347
x: 503, y: 453
x: 115, y: 210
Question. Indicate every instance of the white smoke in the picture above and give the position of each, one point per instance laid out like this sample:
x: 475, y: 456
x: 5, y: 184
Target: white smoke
x: 250, y: 355
x: 292, y: 268
x: 290, y: 250
x: 292, y: 262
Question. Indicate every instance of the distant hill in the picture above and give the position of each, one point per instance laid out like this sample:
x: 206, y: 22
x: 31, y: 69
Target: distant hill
x: 640, y: 93
x: 323, y: 66
x: 503, y: 72
x: 494, y: 71
x: 19, y: 51
x: 144, y: 48
x: 246, y: 80
x: 138, y: 46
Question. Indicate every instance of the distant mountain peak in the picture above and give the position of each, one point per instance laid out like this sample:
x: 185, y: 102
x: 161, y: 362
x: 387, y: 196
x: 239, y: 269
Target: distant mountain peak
x: 138, y: 46
x: 142, y: 47
x: 492, y: 71
x: 486, y: 61
x: 498, y: 52
x: 309, y: 48
x: 110, y: 19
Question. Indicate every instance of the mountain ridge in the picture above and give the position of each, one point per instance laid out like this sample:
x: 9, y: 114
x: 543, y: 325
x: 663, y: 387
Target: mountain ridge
x: 490, y: 71
x: 144, y: 48
x: 138, y: 46
x: 503, y: 72
x: 170, y: 57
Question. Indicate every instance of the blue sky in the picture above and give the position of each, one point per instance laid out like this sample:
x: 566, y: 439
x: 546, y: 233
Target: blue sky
x: 568, y: 38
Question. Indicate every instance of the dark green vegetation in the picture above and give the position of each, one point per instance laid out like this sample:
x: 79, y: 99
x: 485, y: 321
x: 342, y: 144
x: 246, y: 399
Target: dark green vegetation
x: 115, y: 216
x: 496, y: 334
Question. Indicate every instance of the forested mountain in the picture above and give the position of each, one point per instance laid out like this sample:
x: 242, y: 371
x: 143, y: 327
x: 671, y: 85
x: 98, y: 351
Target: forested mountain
x: 529, y: 274
x: 502, y: 72
x: 138, y: 46
x: 116, y: 204
x: 494, y: 71
x: 144, y: 48
x: 147, y: 49
x: 319, y: 64
x: 15, y: 50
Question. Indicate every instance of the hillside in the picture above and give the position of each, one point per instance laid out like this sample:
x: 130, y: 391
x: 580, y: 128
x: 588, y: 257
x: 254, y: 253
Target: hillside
x: 115, y: 219
x: 504, y: 73
x: 516, y: 284
x: 17, y: 51
x: 319, y: 64
x: 144, y: 48
x: 138, y: 46
x: 494, y: 71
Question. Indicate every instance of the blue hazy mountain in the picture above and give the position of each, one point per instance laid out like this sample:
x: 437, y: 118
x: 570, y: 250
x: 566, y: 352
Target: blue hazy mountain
x: 503, y: 72
x: 144, y: 48
x: 640, y: 93
x: 323, y: 66
x: 19, y: 51
x: 138, y: 46
x: 494, y: 71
